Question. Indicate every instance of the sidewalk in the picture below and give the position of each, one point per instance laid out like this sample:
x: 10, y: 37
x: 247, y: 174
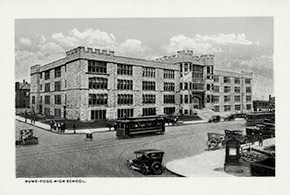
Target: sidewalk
x: 206, y: 164
x: 47, y: 127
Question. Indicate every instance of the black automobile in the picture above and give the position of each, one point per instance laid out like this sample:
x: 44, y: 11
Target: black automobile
x: 230, y: 117
x: 147, y: 161
x: 214, y: 119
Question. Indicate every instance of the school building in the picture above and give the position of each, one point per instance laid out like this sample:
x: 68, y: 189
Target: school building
x: 92, y: 84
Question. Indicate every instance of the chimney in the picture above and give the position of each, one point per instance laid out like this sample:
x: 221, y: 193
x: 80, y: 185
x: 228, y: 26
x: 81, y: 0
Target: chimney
x: 23, y: 80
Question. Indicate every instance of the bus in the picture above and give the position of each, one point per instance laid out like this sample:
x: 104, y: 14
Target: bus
x: 255, y: 118
x: 132, y: 126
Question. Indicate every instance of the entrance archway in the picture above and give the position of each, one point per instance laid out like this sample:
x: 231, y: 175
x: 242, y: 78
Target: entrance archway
x: 196, y: 103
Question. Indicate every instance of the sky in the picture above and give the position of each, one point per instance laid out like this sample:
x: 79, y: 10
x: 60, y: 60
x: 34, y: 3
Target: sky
x: 239, y: 44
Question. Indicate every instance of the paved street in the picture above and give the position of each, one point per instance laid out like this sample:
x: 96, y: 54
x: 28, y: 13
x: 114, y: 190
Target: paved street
x: 71, y: 156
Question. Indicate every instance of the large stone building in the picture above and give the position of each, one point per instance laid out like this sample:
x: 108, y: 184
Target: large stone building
x: 92, y: 84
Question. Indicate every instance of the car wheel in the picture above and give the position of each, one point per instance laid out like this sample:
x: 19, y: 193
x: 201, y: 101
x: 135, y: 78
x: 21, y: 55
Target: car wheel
x: 213, y: 143
x: 157, y: 168
x: 144, y: 169
x: 129, y: 165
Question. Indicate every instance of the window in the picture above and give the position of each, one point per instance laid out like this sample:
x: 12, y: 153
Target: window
x: 57, y: 86
x: 47, y: 74
x: 40, y: 87
x: 197, y: 74
x: 148, y: 99
x: 169, y: 110
x: 148, y: 85
x: 216, y: 98
x: 237, y: 80
x: 57, y: 112
x: 57, y: 99
x: 216, y: 89
x: 97, y: 66
x: 47, y: 99
x: 40, y: 74
x: 248, y: 89
x: 237, y: 107
x: 185, y: 86
x: 47, y: 87
x: 227, y: 80
x: 181, y: 86
x: 216, y: 78
x: 208, y: 98
x: 122, y: 113
x: 98, y: 99
x: 169, y: 74
x: 148, y: 72
x: 248, y: 98
x: 33, y: 99
x: 208, y: 87
x: 216, y: 108
x: 169, y: 99
x: 185, y: 67
x: 149, y: 111
x: 47, y: 111
x: 249, y: 106
x: 40, y: 100
x: 98, y: 83
x: 237, y: 98
x: 125, y: 84
x: 237, y: 90
x: 227, y: 98
x: 197, y: 86
x: 186, y: 99
x: 123, y: 69
x: 125, y: 99
x: 248, y: 81
x: 181, y: 99
x: 227, y: 108
x: 227, y: 89
x: 98, y: 114
x: 57, y: 72
x: 169, y: 86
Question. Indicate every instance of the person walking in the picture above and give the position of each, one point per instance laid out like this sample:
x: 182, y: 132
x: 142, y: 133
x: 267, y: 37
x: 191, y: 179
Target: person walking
x: 74, y: 127
x: 51, y: 125
x: 260, y: 139
x: 55, y: 125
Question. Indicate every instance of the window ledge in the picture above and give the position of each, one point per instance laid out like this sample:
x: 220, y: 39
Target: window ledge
x: 97, y: 73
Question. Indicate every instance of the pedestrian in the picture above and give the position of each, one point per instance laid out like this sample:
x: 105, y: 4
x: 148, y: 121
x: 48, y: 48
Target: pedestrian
x: 253, y: 137
x: 51, y: 125
x: 260, y: 139
x: 63, y: 127
x: 59, y: 127
x: 74, y: 127
x: 55, y: 125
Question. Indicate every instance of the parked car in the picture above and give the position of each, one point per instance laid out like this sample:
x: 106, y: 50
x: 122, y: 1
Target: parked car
x: 214, y: 119
x: 147, y: 161
x: 27, y: 137
x: 215, y: 140
x: 230, y: 117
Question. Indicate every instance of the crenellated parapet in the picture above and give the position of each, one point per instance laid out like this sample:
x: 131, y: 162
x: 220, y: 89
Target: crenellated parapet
x: 34, y: 69
x: 79, y: 50
x: 207, y: 59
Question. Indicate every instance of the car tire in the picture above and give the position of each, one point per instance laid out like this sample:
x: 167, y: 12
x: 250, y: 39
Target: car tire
x: 157, y: 168
x: 213, y: 143
x: 144, y: 169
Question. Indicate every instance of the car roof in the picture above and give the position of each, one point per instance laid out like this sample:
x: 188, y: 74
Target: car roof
x: 147, y: 151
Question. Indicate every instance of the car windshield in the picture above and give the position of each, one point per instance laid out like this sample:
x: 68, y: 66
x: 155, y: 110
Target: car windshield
x: 138, y: 156
x: 156, y: 155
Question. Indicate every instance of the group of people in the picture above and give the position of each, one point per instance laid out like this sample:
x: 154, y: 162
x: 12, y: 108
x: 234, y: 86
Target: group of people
x: 57, y: 126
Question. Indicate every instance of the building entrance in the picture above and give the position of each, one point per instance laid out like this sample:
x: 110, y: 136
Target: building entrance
x: 195, y: 103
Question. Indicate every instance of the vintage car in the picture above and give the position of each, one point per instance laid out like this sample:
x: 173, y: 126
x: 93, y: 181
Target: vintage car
x: 215, y: 140
x: 173, y: 120
x: 27, y: 137
x: 238, y: 134
x: 230, y: 117
x: 214, y: 119
x: 147, y: 161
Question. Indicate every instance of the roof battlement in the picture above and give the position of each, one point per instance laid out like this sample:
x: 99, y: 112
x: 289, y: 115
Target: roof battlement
x: 89, y: 50
x: 34, y: 69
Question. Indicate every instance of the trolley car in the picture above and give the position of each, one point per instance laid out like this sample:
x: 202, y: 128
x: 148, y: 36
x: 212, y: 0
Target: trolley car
x: 255, y: 118
x: 133, y: 126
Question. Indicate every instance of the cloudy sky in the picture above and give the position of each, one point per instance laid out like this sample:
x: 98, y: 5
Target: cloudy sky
x: 237, y: 43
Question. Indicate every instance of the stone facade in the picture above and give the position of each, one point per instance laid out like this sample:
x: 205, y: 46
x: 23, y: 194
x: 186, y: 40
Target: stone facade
x: 62, y: 88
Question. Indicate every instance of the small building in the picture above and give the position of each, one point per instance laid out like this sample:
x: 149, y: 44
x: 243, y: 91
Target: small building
x: 264, y: 105
x: 22, y: 94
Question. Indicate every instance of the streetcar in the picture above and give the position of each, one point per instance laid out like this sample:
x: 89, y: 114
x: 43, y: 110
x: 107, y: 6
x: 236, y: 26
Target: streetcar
x: 132, y: 126
x: 255, y: 118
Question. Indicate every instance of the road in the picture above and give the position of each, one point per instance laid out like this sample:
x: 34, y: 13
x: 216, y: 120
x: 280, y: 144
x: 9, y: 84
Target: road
x: 105, y: 156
